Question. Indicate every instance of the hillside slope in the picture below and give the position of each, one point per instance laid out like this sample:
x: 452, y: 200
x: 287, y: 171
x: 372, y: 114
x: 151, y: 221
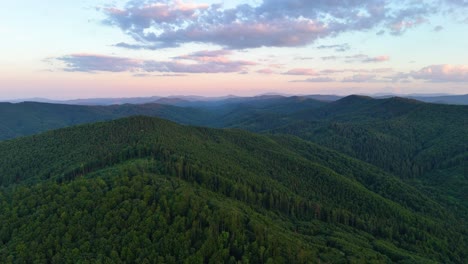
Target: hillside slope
x: 424, y: 144
x: 30, y: 118
x: 201, y: 195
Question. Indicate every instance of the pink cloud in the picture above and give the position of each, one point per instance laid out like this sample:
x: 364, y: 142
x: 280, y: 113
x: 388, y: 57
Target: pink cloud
x: 207, y: 56
x: 442, y: 73
x: 273, y: 33
x: 330, y: 58
x: 367, y: 59
x: 356, y: 70
x: 269, y: 23
x: 301, y: 71
x: 360, y: 78
x: 399, y: 27
x: 382, y: 58
x: 93, y: 62
x: 211, y: 53
x: 332, y: 71
x: 266, y: 71
x: 203, y: 62
x: 359, y: 58
x: 143, y: 16
x: 316, y: 80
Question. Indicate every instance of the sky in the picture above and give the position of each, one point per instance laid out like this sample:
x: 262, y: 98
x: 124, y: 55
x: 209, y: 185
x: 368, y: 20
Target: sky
x: 63, y: 49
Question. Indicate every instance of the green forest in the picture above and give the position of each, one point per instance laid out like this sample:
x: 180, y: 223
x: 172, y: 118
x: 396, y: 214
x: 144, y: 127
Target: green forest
x: 358, y: 180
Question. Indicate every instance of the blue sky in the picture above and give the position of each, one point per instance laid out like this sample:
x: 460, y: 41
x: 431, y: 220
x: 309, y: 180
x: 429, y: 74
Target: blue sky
x: 78, y: 49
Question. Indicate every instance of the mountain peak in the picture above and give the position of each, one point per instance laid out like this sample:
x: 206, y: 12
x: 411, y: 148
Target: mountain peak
x: 403, y: 100
x: 356, y: 97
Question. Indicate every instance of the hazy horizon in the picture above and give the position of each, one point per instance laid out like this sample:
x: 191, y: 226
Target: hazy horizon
x: 230, y: 95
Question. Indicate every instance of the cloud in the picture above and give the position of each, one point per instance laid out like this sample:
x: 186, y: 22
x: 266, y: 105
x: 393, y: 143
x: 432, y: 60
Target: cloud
x: 377, y: 70
x: 207, y: 56
x: 337, y: 47
x: 200, y: 62
x: 325, y: 58
x: 356, y: 58
x: 377, y: 59
x: 139, y: 15
x: 209, y: 53
x: 359, y: 78
x: 303, y: 58
x: 158, y: 75
x: 358, y: 75
x: 409, y: 17
x: 142, y: 75
x: 359, y: 58
x: 460, y: 3
x: 144, y: 46
x: 300, y: 72
x: 442, y: 73
x: 366, y: 59
x: 316, y: 80
x: 270, y: 23
x: 332, y: 71
x: 91, y: 63
x: 276, y: 65
x: 380, y: 32
x: 458, y: 10
x: 266, y: 71
x: 398, y: 77
x: 438, y: 28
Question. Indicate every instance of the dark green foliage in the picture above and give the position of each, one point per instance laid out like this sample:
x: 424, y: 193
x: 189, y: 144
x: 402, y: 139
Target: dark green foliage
x: 128, y: 215
x: 423, y: 144
x: 31, y: 118
x: 144, y: 189
x: 412, y: 140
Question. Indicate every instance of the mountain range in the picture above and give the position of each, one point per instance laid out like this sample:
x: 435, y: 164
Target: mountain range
x: 268, y: 179
x: 174, y: 100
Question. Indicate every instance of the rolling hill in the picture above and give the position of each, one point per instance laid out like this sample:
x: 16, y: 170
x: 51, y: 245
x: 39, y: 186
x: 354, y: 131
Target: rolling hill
x: 28, y: 118
x: 422, y: 143
x: 426, y: 144
x: 143, y: 189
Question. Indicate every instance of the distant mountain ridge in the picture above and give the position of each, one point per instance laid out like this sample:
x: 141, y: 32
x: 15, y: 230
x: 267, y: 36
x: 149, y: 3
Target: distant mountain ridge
x: 27, y: 118
x: 177, y: 99
x: 447, y: 99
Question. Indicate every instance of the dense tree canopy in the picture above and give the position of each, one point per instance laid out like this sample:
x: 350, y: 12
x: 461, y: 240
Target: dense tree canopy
x: 143, y: 190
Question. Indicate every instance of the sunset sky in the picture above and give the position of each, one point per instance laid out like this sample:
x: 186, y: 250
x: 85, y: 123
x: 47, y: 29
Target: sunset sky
x: 62, y: 49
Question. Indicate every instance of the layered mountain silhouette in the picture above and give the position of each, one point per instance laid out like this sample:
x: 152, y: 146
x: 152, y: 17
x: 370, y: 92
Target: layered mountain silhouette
x: 353, y: 180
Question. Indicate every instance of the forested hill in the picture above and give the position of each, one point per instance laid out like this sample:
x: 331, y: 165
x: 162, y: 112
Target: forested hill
x: 419, y: 142
x: 406, y: 137
x: 143, y: 189
x: 30, y: 118
x: 422, y: 143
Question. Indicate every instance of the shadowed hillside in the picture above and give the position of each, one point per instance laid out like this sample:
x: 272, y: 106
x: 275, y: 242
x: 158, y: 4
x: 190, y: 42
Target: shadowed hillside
x: 117, y: 190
